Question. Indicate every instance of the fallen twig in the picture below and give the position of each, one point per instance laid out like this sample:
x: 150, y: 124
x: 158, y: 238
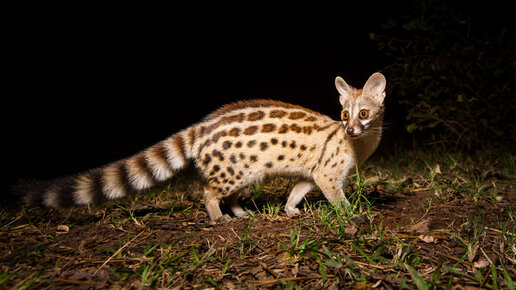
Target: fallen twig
x: 117, y: 252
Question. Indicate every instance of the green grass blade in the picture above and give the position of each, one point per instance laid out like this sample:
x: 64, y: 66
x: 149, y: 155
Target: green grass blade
x: 420, y: 282
x: 363, y: 254
x: 508, y: 279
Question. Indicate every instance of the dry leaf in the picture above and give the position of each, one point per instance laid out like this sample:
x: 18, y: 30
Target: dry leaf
x: 421, y: 227
x: 295, y: 270
x: 473, y: 253
x: 352, y: 230
x: 63, y: 229
x: 427, y: 238
x: 437, y: 169
x: 482, y: 263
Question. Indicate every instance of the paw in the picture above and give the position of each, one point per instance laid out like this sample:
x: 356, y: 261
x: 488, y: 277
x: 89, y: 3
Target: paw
x: 238, y: 212
x: 223, y: 219
x: 243, y: 214
x: 292, y: 211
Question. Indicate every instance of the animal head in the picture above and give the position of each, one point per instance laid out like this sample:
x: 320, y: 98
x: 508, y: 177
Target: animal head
x: 360, y: 108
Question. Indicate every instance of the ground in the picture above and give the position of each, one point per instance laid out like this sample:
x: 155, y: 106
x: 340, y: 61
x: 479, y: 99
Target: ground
x: 420, y: 219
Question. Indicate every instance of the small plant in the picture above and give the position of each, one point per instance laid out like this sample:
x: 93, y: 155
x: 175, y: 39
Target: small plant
x: 131, y: 214
x: 271, y: 210
x: 246, y: 243
x: 296, y: 249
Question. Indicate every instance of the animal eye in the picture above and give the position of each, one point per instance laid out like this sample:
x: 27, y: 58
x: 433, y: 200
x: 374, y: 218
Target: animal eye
x: 363, y: 114
x: 345, y: 115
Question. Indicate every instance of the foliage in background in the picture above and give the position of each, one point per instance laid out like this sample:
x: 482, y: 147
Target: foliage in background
x: 453, y: 73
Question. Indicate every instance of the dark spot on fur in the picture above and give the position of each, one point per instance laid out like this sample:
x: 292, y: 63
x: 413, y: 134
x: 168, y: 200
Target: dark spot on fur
x: 264, y: 146
x: 235, y: 132
x: 218, y: 154
x: 251, y: 130
x: 295, y: 128
x: 268, y: 128
x: 207, y: 159
x: 296, y: 115
x: 283, y: 129
x: 277, y: 114
x: 255, y: 116
x: 227, y: 144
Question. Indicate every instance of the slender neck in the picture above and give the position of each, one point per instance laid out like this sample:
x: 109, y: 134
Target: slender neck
x: 368, y: 144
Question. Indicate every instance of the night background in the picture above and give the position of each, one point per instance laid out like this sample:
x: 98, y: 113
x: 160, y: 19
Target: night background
x: 85, y: 89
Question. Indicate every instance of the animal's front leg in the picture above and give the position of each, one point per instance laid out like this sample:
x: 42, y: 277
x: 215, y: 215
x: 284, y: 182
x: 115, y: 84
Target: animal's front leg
x: 332, y: 190
x: 296, y: 195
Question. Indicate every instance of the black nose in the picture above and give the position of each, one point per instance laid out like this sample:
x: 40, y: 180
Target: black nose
x: 350, y: 131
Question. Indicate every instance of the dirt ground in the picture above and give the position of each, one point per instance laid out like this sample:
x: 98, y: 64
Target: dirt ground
x: 412, y: 236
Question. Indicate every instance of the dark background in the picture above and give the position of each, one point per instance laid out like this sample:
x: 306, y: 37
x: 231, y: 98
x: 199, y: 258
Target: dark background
x: 88, y: 87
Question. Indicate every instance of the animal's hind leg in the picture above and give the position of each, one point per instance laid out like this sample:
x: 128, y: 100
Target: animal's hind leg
x: 232, y: 202
x: 212, y: 202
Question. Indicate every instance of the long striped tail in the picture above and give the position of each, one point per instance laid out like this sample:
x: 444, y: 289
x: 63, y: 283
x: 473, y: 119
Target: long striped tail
x: 116, y: 180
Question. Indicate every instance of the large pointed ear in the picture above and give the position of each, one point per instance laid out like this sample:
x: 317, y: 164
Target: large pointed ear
x: 343, y: 88
x: 375, y: 87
